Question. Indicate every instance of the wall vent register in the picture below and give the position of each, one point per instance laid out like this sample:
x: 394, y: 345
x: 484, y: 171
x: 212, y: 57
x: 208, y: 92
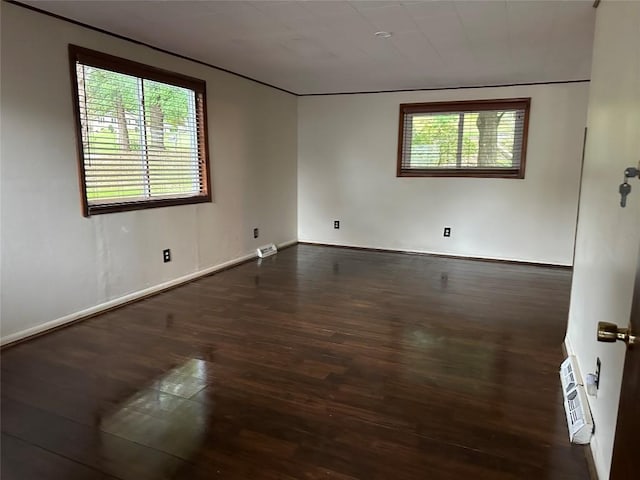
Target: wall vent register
x: 576, y: 406
x: 267, y: 250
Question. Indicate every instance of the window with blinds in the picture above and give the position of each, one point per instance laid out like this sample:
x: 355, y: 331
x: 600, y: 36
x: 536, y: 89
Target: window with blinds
x: 142, y: 136
x: 485, y: 138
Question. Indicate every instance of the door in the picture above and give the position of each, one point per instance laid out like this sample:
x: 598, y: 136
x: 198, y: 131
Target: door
x: 625, y: 449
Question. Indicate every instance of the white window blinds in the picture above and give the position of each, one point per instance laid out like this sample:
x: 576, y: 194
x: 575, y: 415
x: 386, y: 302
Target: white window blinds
x: 142, y: 135
x: 485, y: 138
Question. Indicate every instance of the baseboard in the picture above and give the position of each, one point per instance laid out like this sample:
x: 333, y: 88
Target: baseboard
x: 432, y: 254
x: 67, y: 320
x: 591, y: 463
x: 566, y: 348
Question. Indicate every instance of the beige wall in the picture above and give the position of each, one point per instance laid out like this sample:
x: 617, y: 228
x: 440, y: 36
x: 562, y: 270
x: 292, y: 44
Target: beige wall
x: 347, y: 147
x: 56, y: 263
x: 608, y: 236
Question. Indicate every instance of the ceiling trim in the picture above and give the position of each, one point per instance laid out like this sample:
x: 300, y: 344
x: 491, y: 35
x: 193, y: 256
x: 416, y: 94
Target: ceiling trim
x: 498, y: 85
x: 158, y: 49
x: 215, y: 67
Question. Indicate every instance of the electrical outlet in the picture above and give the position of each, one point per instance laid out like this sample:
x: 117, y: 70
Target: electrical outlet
x: 336, y: 224
x: 256, y: 233
x: 447, y: 231
x: 166, y: 255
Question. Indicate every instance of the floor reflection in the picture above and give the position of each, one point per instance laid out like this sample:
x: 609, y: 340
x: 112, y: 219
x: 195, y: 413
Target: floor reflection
x: 162, y: 416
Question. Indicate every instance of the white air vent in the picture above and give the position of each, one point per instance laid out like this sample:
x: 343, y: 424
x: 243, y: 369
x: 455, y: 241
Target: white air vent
x: 267, y: 250
x: 576, y: 406
x: 570, y: 374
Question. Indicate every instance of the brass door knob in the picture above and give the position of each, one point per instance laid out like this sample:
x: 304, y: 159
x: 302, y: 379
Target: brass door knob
x: 610, y: 332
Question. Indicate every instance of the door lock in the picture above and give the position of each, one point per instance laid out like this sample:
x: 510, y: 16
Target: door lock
x: 610, y: 332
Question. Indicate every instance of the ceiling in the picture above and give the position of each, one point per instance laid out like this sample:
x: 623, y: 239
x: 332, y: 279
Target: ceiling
x: 308, y: 47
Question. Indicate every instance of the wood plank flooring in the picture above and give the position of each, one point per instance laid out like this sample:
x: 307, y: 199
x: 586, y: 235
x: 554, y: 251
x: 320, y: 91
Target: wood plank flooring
x: 318, y: 363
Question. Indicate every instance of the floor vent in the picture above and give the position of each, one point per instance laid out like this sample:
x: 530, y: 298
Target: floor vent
x: 576, y: 406
x: 267, y: 250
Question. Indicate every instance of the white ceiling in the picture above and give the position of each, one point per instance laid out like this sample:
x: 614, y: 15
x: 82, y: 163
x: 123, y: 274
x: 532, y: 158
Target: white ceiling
x: 329, y: 46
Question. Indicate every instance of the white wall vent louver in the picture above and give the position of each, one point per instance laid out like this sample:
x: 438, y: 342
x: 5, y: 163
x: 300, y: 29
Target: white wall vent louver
x: 570, y: 374
x: 576, y: 406
x: 267, y: 250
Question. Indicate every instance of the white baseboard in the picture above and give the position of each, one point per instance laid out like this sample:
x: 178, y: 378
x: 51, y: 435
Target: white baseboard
x: 568, y: 347
x: 130, y: 297
x: 286, y: 244
x: 440, y: 254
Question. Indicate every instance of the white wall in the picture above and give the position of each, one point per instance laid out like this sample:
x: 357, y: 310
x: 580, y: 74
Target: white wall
x: 608, y: 236
x: 56, y: 263
x: 347, y: 147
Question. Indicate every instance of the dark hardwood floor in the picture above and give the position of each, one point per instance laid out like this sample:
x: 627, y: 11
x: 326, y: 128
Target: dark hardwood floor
x: 316, y: 363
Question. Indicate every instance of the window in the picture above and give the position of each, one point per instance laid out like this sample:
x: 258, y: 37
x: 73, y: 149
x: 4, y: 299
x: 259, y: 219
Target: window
x: 142, y: 134
x: 486, y: 138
